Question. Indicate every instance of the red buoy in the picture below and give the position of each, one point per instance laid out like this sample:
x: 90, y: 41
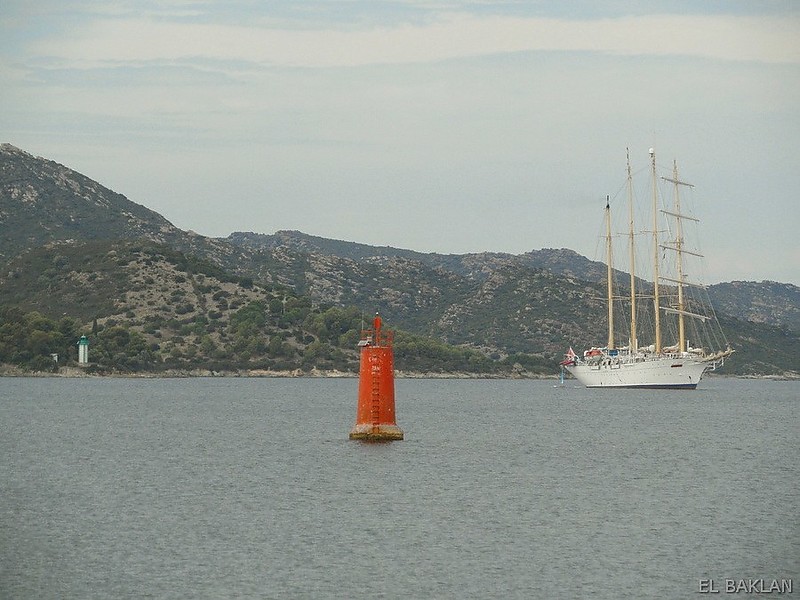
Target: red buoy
x: 375, y: 419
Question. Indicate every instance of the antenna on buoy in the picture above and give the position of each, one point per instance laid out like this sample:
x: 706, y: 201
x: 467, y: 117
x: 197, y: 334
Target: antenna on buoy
x: 375, y: 416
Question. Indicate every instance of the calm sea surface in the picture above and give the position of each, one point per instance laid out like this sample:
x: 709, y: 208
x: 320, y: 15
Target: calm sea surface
x: 250, y: 488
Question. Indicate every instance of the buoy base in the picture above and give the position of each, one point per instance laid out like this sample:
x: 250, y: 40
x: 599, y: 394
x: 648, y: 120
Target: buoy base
x: 376, y: 433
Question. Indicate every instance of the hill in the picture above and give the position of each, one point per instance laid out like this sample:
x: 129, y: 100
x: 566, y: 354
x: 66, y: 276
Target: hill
x: 70, y: 246
x: 769, y: 302
x: 538, y: 302
x: 147, y: 307
x: 42, y: 202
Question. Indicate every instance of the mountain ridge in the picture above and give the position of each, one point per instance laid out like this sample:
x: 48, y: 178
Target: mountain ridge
x: 536, y: 303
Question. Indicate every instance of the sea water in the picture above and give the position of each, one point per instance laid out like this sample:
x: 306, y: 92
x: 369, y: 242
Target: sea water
x: 250, y: 488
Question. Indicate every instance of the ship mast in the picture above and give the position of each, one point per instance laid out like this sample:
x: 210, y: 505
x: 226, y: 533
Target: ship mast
x: 679, y: 250
x: 656, y: 299
x: 609, y: 276
x: 633, y: 345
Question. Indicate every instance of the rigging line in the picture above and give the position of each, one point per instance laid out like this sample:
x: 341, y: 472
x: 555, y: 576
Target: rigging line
x: 677, y: 216
x: 675, y: 249
x: 684, y: 282
x: 677, y: 181
x: 686, y: 313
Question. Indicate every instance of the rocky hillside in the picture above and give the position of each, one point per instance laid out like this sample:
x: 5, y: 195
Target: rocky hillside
x: 69, y: 245
x: 147, y: 307
x: 42, y: 202
x: 769, y: 302
x: 562, y: 261
x: 499, y: 303
x: 540, y: 301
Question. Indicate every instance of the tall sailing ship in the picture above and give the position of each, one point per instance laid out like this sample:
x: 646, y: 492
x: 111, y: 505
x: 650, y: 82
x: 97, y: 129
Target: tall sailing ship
x: 671, y: 310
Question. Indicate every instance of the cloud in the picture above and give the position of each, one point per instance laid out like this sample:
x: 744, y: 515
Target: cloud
x: 735, y: 38
x: 211, y: 113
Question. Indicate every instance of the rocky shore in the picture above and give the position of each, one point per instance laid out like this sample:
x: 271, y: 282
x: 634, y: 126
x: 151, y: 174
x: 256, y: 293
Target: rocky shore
x: 13, y: 371
x: 72, y: 371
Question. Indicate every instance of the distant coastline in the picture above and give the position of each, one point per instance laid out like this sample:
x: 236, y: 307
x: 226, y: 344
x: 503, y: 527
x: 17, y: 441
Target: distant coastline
x: 77, y: 372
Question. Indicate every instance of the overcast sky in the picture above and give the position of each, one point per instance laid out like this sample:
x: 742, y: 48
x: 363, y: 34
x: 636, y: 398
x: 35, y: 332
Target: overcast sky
x: 435, y: 125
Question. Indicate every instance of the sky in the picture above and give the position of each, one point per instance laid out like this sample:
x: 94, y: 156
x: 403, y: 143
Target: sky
x: 448, y: 126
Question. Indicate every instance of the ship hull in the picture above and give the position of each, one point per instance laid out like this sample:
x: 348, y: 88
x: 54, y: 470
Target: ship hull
x: 653, y: 373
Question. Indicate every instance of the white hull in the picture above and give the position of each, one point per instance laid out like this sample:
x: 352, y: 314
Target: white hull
x: 652, y: 372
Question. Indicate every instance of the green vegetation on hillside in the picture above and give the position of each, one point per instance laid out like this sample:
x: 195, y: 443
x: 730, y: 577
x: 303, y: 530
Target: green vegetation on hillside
x: 89, y: 279
x: 259, y: 336
x: 29, y: 340
x: 760, y: 349
x: 149, y: 308
x: 76, y: 257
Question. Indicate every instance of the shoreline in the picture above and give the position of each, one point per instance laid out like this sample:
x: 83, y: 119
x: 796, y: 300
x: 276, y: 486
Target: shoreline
x: 80, y: 372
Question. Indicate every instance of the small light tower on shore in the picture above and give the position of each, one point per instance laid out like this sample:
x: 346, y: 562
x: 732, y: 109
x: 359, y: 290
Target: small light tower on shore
x: 375, y: 418
x: 83, y: 351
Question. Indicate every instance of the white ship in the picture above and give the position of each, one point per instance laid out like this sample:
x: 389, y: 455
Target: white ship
x: 685, y: 339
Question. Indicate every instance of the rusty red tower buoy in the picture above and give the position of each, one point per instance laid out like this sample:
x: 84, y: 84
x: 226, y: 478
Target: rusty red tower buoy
x: 375, y: 418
